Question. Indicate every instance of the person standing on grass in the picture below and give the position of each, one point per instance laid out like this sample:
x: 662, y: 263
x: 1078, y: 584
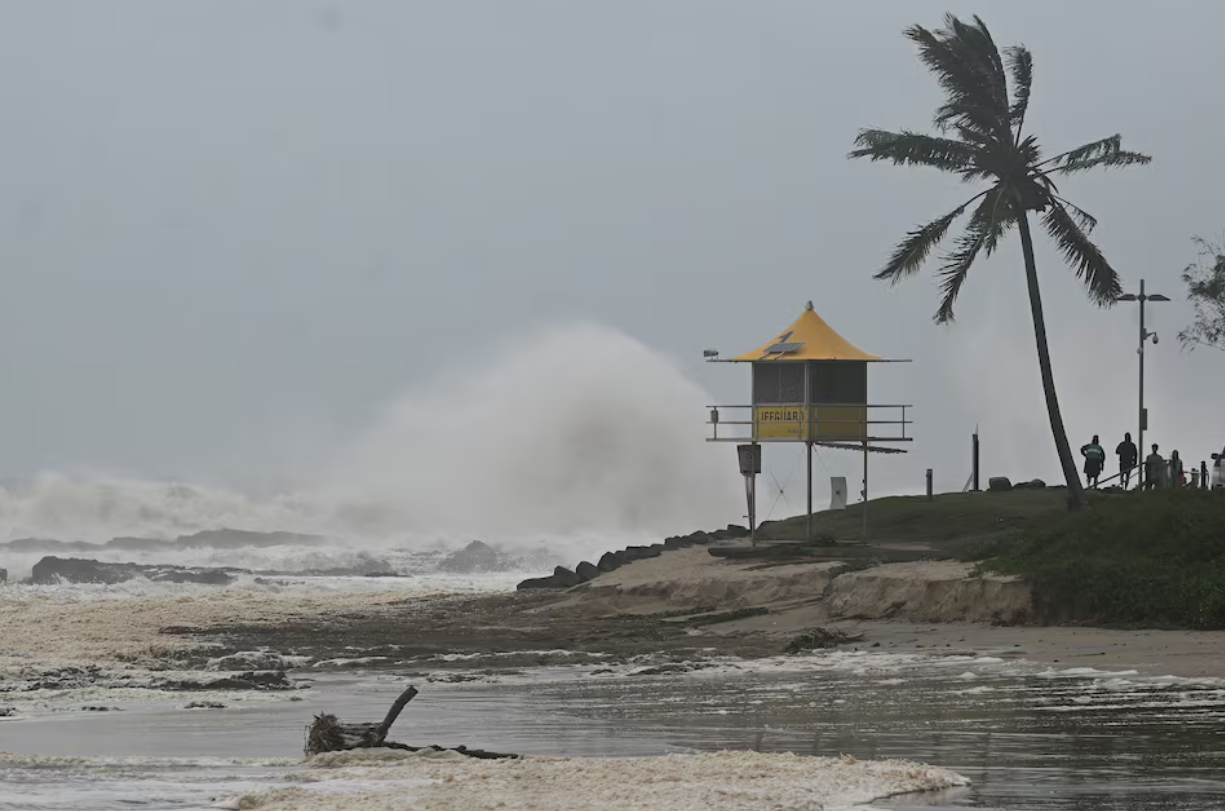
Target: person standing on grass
x: 1095, y: 460
x: 1176, y: 472
x: 1128, y: 454
x: 1154, y: 464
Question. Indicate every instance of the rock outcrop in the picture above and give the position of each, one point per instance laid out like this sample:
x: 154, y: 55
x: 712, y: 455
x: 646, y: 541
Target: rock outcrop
x: 51, y: 570
x: 477, y: 557
x: 213, y: 538
x: 562, y: 578
x: 611, y: 561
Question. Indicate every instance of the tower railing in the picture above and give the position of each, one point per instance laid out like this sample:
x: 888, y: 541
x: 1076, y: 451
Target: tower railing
x: 810, y: 422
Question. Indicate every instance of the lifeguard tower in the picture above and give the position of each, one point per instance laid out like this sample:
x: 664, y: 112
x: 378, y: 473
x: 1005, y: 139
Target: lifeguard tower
x: 809, y: 385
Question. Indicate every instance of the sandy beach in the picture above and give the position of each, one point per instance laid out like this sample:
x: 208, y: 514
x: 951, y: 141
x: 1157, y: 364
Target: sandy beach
x: 685, y: 604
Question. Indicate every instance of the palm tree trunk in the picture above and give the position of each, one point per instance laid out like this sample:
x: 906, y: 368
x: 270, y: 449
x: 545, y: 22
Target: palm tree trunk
x: 1076, y: 494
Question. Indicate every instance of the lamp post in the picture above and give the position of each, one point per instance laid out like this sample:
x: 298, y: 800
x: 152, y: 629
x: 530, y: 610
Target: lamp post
x: 1144, y: 336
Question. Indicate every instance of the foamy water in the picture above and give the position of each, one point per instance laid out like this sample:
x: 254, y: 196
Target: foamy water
x: 120, y: 626
x: 387, y: 779
x: 728, y: 781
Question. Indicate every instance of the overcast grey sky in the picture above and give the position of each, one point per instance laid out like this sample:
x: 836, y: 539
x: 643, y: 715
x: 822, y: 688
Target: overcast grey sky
x: 231, y: 232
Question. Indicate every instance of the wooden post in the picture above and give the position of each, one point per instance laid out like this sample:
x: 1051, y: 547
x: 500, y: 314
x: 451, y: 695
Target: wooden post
x: 864, y: 532
x: 929, y: 484
x: 808, y: 523
x: 974, y: 458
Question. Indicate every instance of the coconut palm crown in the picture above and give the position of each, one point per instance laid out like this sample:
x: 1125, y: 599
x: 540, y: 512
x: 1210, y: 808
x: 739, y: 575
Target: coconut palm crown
x: 982, y: 137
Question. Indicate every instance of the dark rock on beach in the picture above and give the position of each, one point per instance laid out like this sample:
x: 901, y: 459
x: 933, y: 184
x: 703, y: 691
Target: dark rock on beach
x: 204, y: 577
x: 633, y: 553
x: 539, y: 583
x: 562, y: 578
x: 586, y: 571
x: 476, y: 557
x: 611, y: 561
x: 566, y: 577
x: 52, y: 569
x: 271, y: 680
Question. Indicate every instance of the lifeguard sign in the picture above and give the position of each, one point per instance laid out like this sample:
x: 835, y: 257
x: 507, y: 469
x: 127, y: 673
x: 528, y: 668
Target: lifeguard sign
x: 810, y: 385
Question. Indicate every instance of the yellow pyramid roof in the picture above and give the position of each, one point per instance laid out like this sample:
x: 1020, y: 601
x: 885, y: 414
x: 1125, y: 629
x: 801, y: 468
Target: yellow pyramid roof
x: 816, y: 340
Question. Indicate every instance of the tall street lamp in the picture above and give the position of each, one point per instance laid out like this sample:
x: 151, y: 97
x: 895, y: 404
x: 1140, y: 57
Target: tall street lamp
x: 1144, y: 336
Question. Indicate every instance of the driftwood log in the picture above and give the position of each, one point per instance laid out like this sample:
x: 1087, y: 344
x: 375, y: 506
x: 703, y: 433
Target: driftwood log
x: 328, y: 734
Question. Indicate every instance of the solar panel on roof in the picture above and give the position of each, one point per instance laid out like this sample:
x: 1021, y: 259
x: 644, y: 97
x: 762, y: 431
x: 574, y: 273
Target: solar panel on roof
x: 783, y: 347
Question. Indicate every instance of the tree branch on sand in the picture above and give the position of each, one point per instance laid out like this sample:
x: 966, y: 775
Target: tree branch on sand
x: 328, y: 734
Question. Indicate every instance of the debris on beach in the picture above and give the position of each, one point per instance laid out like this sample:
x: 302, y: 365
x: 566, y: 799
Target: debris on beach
x: 328, y: 734
x: 816, y: 638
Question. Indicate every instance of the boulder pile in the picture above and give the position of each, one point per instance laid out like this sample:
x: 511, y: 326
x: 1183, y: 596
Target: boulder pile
x: 585, y: 571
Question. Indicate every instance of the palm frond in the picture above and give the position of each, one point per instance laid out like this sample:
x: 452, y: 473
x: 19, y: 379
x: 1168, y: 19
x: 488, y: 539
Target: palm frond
x: 1106, y: 152
x: 910, y: 254
x: 1086, y: 259
x: 971, y: 100
x: 1084, y: 219
x: 1117, y: 158
x: 1092, y: 149
x: 988, y: 224
x: 907, y: 148
x: 1021, y: 66
x: 987, y: 53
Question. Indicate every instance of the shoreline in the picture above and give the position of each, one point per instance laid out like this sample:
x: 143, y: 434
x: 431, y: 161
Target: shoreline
x: 685, y: 605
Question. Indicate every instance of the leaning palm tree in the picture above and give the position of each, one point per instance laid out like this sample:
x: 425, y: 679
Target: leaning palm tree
x: 982, y: 138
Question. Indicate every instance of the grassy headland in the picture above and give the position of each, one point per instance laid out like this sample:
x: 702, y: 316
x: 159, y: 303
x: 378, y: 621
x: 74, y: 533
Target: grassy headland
x: 1154, y: 559
x: 1139, y: 558
x: 948, y: 521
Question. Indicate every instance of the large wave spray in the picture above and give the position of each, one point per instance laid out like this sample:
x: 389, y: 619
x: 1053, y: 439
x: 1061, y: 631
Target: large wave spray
x: 576, y: 432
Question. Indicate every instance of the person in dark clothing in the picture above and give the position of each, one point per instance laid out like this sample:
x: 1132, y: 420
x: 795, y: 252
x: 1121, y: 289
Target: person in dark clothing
x: 1154, y: 470
x: 1095, y: 460
x: 1128, y: 455
x: 1203, y: 475
x: 1177, y: 474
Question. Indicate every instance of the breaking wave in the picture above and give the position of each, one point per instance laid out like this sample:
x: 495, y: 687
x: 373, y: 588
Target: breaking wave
x: 573, y: 436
